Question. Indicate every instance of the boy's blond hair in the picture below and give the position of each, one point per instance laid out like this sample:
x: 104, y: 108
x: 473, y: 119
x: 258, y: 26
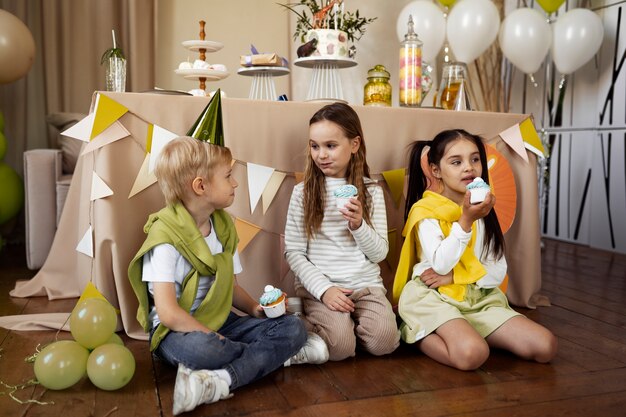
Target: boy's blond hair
x: 184, y: 159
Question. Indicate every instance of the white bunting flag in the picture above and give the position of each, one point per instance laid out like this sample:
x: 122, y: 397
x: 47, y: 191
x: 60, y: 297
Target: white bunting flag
x: 258, y: 176
x: 99, y: 188
x: 160, y: 138
x: 86, y: 243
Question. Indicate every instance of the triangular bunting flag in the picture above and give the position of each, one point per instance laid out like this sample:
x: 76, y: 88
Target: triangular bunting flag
x: 391, y: 255
x: 258, y: 176
x: 272, y: 188
x: 91, y: 291
x: 246, y: 232
x: 160, y: 138
x: 114, y: 132
x: 531, y: 138
x: 81, y: 130
x: 513, y: 137
x: 149, y: 138
x: 299, y: 177
x: 395, y: 182
x: 144, y: 178
x: 99, y: 188
x: 86, y: 243
x: 107, y: 111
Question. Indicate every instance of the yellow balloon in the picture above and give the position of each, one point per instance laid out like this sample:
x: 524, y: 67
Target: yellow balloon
x: 92, y: 322
x: 115, y: 339
x: 61, y: 364
x: 11, y: 193
x: 447, y: 3
x: 550, y: 6
x: 17, y: 48
x: 110, y: 366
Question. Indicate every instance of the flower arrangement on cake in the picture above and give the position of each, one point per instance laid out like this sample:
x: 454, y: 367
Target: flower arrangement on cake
x: 327, y: 28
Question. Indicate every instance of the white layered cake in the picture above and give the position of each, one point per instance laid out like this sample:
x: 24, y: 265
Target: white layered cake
x: 331, y: 43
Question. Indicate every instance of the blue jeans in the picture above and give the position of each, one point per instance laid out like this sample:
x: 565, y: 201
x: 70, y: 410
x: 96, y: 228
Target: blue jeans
x: 251, y: 347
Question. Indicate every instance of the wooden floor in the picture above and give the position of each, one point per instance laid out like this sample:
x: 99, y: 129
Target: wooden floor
x: 587, y: 288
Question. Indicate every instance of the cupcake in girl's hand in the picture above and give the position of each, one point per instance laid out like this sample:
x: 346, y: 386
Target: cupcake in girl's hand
x: 344, y: 193
x: 273, y: 302
x: 478, y: 190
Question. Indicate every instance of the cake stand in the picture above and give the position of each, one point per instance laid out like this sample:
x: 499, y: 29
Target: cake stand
x: 263, y: 87
x: 325, y: 83
x: 203, y: 47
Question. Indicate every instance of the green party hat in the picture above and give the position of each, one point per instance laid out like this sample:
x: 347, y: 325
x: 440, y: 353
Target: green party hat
x: 209, y: 126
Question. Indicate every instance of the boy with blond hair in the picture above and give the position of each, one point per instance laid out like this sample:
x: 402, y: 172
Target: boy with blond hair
x: 184, y: 276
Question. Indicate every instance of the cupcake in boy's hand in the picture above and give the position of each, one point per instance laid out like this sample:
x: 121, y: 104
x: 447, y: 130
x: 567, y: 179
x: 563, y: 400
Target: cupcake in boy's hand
x: 273, y: 301
x: 478, y: 190
x: 344, y: 193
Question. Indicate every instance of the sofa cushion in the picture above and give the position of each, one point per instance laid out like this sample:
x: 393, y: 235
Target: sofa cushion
x: 70, y: 147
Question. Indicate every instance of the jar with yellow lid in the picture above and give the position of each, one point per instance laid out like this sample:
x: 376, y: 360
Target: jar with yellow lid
x: 377, y: 91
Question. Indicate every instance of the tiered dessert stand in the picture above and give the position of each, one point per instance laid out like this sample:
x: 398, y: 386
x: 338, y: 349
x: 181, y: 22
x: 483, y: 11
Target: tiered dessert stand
x: 263, y: 87
x: 202, y: 46
x: 325, y: 83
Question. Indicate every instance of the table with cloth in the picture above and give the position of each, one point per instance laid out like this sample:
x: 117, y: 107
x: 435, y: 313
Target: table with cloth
x: 262, y: 135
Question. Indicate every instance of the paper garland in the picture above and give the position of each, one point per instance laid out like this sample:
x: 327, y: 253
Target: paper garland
x: 102, y: 128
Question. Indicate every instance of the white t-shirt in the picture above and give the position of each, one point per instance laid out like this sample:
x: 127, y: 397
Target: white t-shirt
x: 164, y: 263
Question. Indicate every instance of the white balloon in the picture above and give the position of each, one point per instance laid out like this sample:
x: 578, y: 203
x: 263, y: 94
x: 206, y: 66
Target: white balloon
x: 525, y: 38
x: 577, y: 37
x: 472, y: 27
x: 429, y: 24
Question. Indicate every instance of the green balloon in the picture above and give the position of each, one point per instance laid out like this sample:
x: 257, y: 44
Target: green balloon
x: 92, y: 322
x: 61, y: 364
x: 115, y: 339
x: 11, y: 193
x: 110, y: 366
x: 3, y: 145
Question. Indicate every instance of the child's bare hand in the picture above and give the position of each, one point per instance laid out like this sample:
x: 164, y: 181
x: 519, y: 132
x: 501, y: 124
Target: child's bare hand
x: 473, y: 212
x: 336, y: 299
x: 353, y: 213
x: 258, y: 312
x: 433, y: 280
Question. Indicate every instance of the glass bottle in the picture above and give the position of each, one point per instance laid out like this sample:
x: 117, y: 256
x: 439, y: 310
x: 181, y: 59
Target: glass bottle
x: 452, y: 76
x: 410, y: 68
x: 115, y: 74
x: 377, y: 91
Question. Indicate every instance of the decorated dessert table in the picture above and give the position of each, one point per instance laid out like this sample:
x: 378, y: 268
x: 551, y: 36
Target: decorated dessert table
x: 113, y: 191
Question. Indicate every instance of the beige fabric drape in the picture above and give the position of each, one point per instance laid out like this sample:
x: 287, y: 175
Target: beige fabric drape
x: 70, y: 37
x: 273, y: 134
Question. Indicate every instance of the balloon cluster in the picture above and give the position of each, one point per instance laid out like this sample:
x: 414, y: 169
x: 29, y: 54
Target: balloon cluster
x: 525, y: 35
x: 96, y: 351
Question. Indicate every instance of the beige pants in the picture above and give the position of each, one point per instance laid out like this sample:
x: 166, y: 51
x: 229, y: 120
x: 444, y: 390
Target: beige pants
x: 372, y: 323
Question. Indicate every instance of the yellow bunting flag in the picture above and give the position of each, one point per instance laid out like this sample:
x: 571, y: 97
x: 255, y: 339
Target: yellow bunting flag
x: 246, y: 231
x: 391, y: 255
x: 149, y: 138
x: 271, y: 189
x: 107, y: 111
x: 395, y: 181
x: 532, y: 142
x: 299, y: 177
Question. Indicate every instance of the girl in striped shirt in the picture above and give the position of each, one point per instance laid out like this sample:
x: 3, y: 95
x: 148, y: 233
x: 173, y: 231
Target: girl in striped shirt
x: 334, y: 252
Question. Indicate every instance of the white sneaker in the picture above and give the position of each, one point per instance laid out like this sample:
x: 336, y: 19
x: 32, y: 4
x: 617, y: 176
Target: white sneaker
x: 314, y: 351
x: 193, y: 388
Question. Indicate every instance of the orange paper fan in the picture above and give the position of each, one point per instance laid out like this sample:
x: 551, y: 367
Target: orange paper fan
x: 503, y: 185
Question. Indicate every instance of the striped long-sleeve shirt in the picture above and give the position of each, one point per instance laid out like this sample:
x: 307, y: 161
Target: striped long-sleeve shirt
x: 336, y: 255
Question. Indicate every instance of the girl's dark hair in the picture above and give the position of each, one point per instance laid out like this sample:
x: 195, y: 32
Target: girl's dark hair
x: 347, y: 119
x: 418, y: 181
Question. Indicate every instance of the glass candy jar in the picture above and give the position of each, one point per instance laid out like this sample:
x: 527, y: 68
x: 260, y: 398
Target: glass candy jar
x: 377, y: 91
x: 452, y: 79
x: 410, y: 68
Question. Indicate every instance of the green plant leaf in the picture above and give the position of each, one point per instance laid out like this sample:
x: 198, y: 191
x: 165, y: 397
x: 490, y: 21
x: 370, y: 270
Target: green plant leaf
x: 112, y: 53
